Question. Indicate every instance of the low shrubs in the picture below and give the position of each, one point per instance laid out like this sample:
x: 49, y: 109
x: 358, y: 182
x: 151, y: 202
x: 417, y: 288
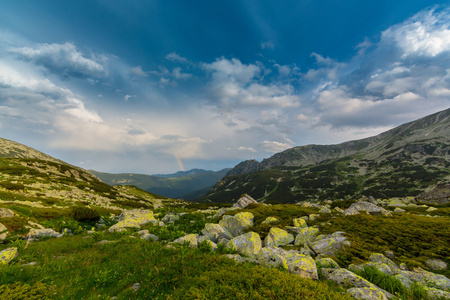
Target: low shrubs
x: 80, y: 213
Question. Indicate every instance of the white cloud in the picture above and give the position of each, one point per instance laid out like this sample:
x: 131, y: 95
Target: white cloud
x: 64, y: 59
x: 267, y: 45
x: 241, y: 148
x: 425, y: 34
x: 173, y: 56
x: 274, y: 147
x: 137, y: 71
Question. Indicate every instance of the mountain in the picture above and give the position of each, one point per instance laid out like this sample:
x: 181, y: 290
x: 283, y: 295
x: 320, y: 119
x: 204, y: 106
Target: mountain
x: 406, y: 160
x: 185, y: 184
x: 32, y: 179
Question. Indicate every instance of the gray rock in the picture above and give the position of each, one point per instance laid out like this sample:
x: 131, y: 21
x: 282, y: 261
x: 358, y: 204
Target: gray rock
x: 346, y: 278
x: 216, y: 232
x: 190, y: 239
x: 327, y: 262
x: 306, y: 235
x: 244, y: 201
x: 240, y: 259
x: 367, y: 207
x: 329, y: 244
x: 170, y: 218
x: 248, y: 244
x: 237, y: 224
x: 368, y: 293
x: 278, y: 237
x: 6, y: 213
x: 436, y: 293
x: 136, y: 286
x: 37, y: 233
x: 436, y: 264
x: 426, y: 277
x: 3, y: 227
x: 149, y: 236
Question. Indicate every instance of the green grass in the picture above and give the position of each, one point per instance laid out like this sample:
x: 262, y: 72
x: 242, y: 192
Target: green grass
x: 412, y: 238
x: 78, y: 268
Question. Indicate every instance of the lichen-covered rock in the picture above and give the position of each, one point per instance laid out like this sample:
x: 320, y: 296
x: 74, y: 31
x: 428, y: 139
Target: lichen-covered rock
x: 45, y: 232
x: 7, y: 255
x: 6, y: 213
x: 3, y: 227
x: 406, y: 282
x: 325, y: 210
x: 426, y: 277
x: 399, y: 210
x: 368, y: 293
x: 436, y: 293
x: 240, y: 259
x: 170, y: 218
x: 312, y: 217
x: 301, y: 264
x: 238, y: 224
x: 367, y: 207
x: 395, y: 202
x: 248, y: 244
x: 216, y: 232
x: 327, y: 262
x: 272, y: 257
x: 244, y: 201
x: 270, y: 220
x: 379, y: 259
x: 211, y: 245
x: 134, y: 219
x: 278, y: 237
x: 346, y: 278
x: 436, y: 264
x: 306, y: 235
x: 299, y: 222
x: 191, y: 239
x: 329, y: 244
x: 149, y: 236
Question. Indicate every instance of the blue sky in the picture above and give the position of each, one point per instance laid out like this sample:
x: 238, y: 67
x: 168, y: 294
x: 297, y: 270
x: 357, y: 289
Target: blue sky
x: 137, y: 86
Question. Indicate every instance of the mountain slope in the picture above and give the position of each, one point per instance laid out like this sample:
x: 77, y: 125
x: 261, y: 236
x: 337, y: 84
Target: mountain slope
x: 184, y: 185
x: 33, y: 179
x: 406, y: 160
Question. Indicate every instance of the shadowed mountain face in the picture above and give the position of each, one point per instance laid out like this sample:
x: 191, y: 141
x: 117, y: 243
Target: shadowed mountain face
x: 187, y: 185
x: 406, y: 160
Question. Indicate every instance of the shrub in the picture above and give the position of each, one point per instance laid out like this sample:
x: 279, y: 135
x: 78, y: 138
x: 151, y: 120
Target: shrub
x: 21, y: 291
x: 80, y: 213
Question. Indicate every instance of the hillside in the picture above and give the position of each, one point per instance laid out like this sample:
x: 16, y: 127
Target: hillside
x: 186, y: 185
x: 404, y: 161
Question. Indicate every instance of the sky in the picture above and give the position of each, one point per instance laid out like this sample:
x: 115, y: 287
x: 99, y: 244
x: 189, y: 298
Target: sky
x: 157, y: 87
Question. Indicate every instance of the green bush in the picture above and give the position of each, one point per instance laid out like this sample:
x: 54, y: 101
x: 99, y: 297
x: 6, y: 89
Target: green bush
x: 21, y: 291
x: 80, y: 213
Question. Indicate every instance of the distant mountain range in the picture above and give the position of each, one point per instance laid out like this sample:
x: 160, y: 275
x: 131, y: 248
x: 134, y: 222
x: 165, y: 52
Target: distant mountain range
x: 187, y: 185
x: 404, y: 161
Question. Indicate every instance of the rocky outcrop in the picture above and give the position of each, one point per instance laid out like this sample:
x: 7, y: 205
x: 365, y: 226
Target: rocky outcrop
x: 214, y: 232
x: 439, y: 195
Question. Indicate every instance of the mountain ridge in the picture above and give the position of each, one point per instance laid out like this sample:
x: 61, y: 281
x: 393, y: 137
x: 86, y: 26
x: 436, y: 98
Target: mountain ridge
x: 404, y: 161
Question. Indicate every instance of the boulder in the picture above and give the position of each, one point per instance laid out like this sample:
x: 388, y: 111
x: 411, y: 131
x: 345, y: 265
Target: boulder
x: 240, y: 259
x: 300, y: 264
x: 133, y: 219
x: 215, y: 232
x: 244, y: 201
x: 306, y: 235
x: 190, y: 239
x: 293, y: 261
x: 149, y: 236
x: 399, y: 210
x: 369, y: 293
x: 346, y: 278
x: 299, y: 222
x: 170, y: 218
x: 380, y: 259
x: 436, y: 293
x: 7, y: 255
x: 312, y: 217
x: 367, y: 207
x: 426, y: 277
x: 278, y: 237
x: 36, y: 233
x: 325, y: 210
x: 329, y: 244
x: 327, y: 262
x: 3, y: 227
x: 272, y: 257
x: 238, y: 224
x: 270, y: 220
x: 436, y: 264
x: 395, y: 202
x: 248, y: 244
x: 6, y: 213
